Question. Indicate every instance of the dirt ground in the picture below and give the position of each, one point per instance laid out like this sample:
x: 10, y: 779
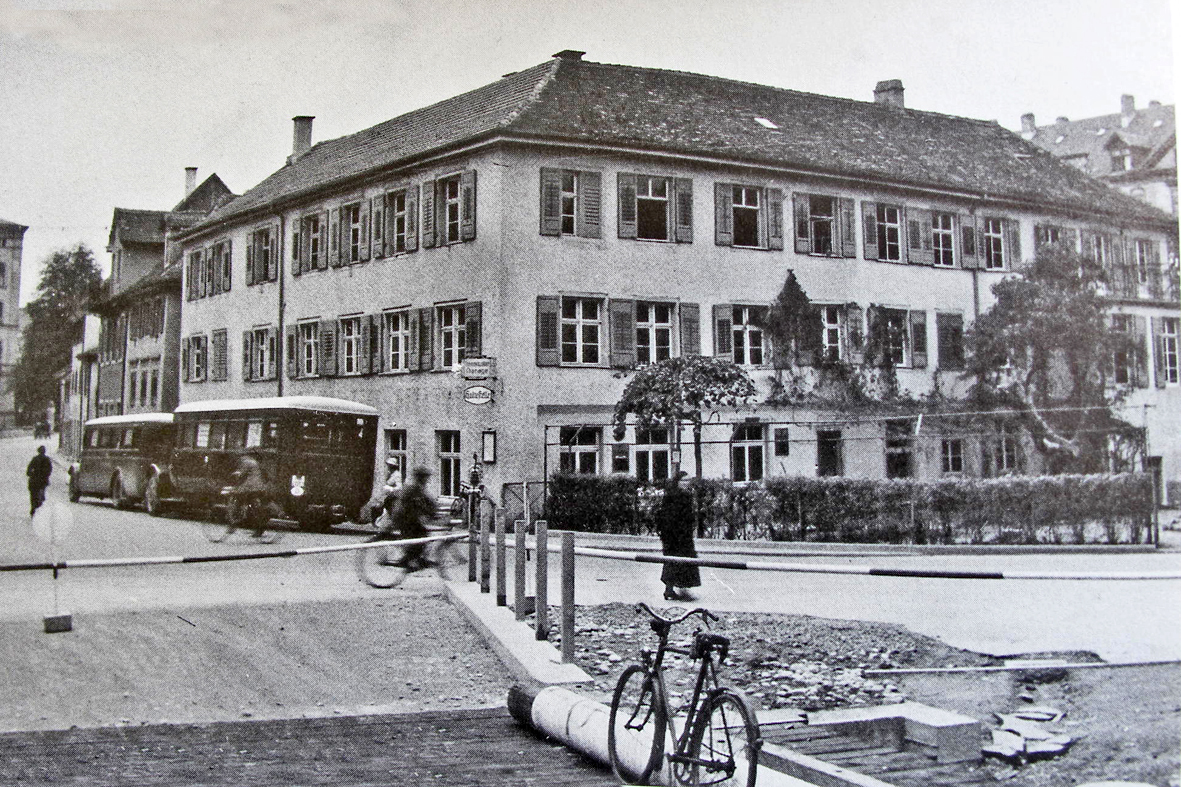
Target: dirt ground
x: 1126, y: 722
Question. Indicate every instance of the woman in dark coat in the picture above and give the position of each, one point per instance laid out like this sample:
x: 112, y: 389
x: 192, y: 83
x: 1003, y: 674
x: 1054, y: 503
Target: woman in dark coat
x: 674, y: 523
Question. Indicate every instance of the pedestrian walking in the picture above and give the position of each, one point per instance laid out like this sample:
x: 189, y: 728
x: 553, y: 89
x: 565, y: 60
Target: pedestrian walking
x: 38, y: 471
x: 674, y: 524
x: 392, y: 489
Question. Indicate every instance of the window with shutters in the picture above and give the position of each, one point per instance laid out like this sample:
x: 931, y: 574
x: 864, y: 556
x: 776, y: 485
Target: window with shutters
x: 654, y: 331
x: 314, y: 255
x: 581, y: 330
x: 994, y: 244
x: 888, y: 220
x: 831, y: 332
x: 1169, y: 347
x: 949, y: 329
x: 943, y: 238
x: 1124, y: 362
x: 219, y: 366
x: 351, y: 221
x: 899, y: 448
x: 747, y: 446
x: 821, y: 227
x: 651, y: 455
x: 396, y: 333
x: 396, y: 205
x: 1047, y: 234
x: 349, y: 359
x: 653, y: 208
x: 452, y: 327
x: 952, y: 455
x: 895, y: 336
x: 197, y: 358
x: 450, y: 462
x: 747, y: 335
x: 307, y: 348
x: 450, y: 209
x: 1144, y: 259
x: 579, y: 449
x: 748, y: 216
x: 263, y: 353
x: 263, y: 265
x: 1098, y: 248
x: 746, y: 212
x: 568, y: 202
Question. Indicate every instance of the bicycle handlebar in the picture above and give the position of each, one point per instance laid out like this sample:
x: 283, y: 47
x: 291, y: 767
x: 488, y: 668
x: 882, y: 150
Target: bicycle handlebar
x: 705, y: 614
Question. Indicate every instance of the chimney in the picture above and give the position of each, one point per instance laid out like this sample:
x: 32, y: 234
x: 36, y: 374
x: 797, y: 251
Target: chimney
x: 1062, y: 120
x: 889, y: 93
x: 302, y: 142
x: 190, y: 180
x: 1028, y: 126
x: 569, y: 54
x: 1127, y: 109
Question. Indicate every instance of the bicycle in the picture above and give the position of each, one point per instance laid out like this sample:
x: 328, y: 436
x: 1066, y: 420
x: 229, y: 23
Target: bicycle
x: 231, y: 515
x: 720, y: 742
x: 388, y: 566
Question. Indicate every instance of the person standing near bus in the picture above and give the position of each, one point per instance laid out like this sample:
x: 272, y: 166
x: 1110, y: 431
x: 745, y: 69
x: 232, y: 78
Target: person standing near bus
x: 39, y: 469
x: 392, y: 489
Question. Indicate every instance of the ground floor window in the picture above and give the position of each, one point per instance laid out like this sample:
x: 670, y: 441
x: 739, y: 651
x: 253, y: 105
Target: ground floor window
x: 829, y: 457
x: 579, y: 449
x: 652, y: 455
x: 450, y: 460
x: 395, y: 446
x: 746, y: 452
x: 953, y: 455
x: 899, y: 449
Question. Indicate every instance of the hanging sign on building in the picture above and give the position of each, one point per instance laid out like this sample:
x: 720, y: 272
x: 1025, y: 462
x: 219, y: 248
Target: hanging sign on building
x: 478, y: 368
x: 477, y: 394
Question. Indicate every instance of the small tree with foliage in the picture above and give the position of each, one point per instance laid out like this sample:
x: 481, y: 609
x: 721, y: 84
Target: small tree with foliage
x: 1046, y: 349
x: 678, y: 390
x: 70, y: 280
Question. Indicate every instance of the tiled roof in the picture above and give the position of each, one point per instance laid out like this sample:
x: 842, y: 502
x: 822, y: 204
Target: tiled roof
x: 11, y: 225
x: 137, y: 226
x: 1148, y: 128
x: 211, y: 194
x: 566, y: 99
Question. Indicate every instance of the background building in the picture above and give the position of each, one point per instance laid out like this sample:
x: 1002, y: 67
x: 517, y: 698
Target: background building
x: 11, y: 243
x: 481, y: 269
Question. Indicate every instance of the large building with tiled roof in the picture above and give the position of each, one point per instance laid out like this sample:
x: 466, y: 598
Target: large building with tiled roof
x: 138, y: 353
x: 12, y: 237
x: 479, y: 269
x: 1134, y: 150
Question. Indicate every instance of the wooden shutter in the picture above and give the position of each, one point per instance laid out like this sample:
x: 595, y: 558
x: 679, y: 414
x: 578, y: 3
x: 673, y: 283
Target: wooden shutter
x: 913, y: 243
x: 382, y: 345
x: 377, y: 221
x: 273, y: 351
x: 723, y: 330
x: 590, y: 205
x: 1157, y: 343
x: 473, y: 316
x: 251, y: 253
x: 969, y: 251
x: 227, y: 265
x: 775, y: 219
x: 184, y: 359
x: 275, y: 260
x: 548, y: 349
x: 246, y: 365
x: 426, y: 339
x: 683, y: 209
x: 290, y: 349
x: 869, y: 215
x: 389, y: 232
x: 690, y: 325
x: 334, y: 251
x: 365, y: 349
x: 1086, y: 245
x: 855, y: 333
x: 363, y: 252
x: 628, y: 224
x: 1140, y: 356
x: 551, y: 201
x: 412, y: 218
x: 1070, y: 238
x: 411, y: 350
x: 846, y: 222
x: 326, y: 363
x: 467, y: 205
x: 1013, y: 244
x: 296, y: 245
x: 949, y: 338
x: 622, y: 315
x: 803, y: 218
x: 723, y: 214
x: 918, y: 339
x: 204, y: 273
x: 223, y: 355
x: 428, y: 214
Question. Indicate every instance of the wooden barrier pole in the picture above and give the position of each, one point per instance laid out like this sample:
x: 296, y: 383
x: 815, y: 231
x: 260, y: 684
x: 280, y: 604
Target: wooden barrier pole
x: 520, y: 558
x: 485, y: 554
x: 501, y: 594
x: 567, y: 597
x: 541, y: 626
x: 472, y: 539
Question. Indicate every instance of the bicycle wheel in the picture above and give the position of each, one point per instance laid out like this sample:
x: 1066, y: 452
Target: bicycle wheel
x: 217, y: 525
x: 635, y: 730
x: 381, y: 567
x: 724, y: 749
x: 451, y: 559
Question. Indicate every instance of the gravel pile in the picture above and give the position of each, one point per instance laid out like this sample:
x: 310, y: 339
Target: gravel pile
x: 778, y: 661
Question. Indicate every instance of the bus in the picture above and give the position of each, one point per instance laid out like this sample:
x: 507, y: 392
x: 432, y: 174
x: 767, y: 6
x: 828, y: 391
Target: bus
x: 316, y: 453
x: 123, y: 458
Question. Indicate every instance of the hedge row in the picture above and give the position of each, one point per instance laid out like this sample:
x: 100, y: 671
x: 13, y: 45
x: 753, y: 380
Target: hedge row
x: 1064, y: 509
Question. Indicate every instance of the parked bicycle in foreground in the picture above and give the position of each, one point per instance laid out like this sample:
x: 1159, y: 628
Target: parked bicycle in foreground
x: 388, y: 565
x: 719, y: 744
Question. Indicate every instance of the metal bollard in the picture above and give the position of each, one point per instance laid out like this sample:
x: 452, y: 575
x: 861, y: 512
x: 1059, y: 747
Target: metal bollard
x: 520, y: 557
x: 472, y: 537
x: 541, y: 626
x: 567, y: 597
x: 485, y: 557
x: 501, y: 594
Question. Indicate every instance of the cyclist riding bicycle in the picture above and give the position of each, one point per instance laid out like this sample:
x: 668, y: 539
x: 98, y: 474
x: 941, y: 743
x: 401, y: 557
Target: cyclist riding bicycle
x: 250, y: 493
x: 415, y: 507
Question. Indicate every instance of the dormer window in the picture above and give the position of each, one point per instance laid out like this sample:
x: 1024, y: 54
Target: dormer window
x: 1121, y: 160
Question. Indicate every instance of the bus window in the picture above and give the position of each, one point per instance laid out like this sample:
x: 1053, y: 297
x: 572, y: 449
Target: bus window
x: 202, y: 440
x: 108, y: 437
x: 217, y: 435
x: 316, y: 432
x: 130, y: 438
x: 92, y: 438
x: 270, y: 434
x: 236, y: 434
x: 253, y: 434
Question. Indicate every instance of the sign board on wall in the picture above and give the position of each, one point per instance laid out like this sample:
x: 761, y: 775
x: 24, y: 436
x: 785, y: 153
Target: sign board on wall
x: 477, y: 394
x: 478, y: 368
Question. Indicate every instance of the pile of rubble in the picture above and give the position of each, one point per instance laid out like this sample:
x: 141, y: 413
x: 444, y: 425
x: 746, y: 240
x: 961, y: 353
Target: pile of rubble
x: 1022, y: 735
